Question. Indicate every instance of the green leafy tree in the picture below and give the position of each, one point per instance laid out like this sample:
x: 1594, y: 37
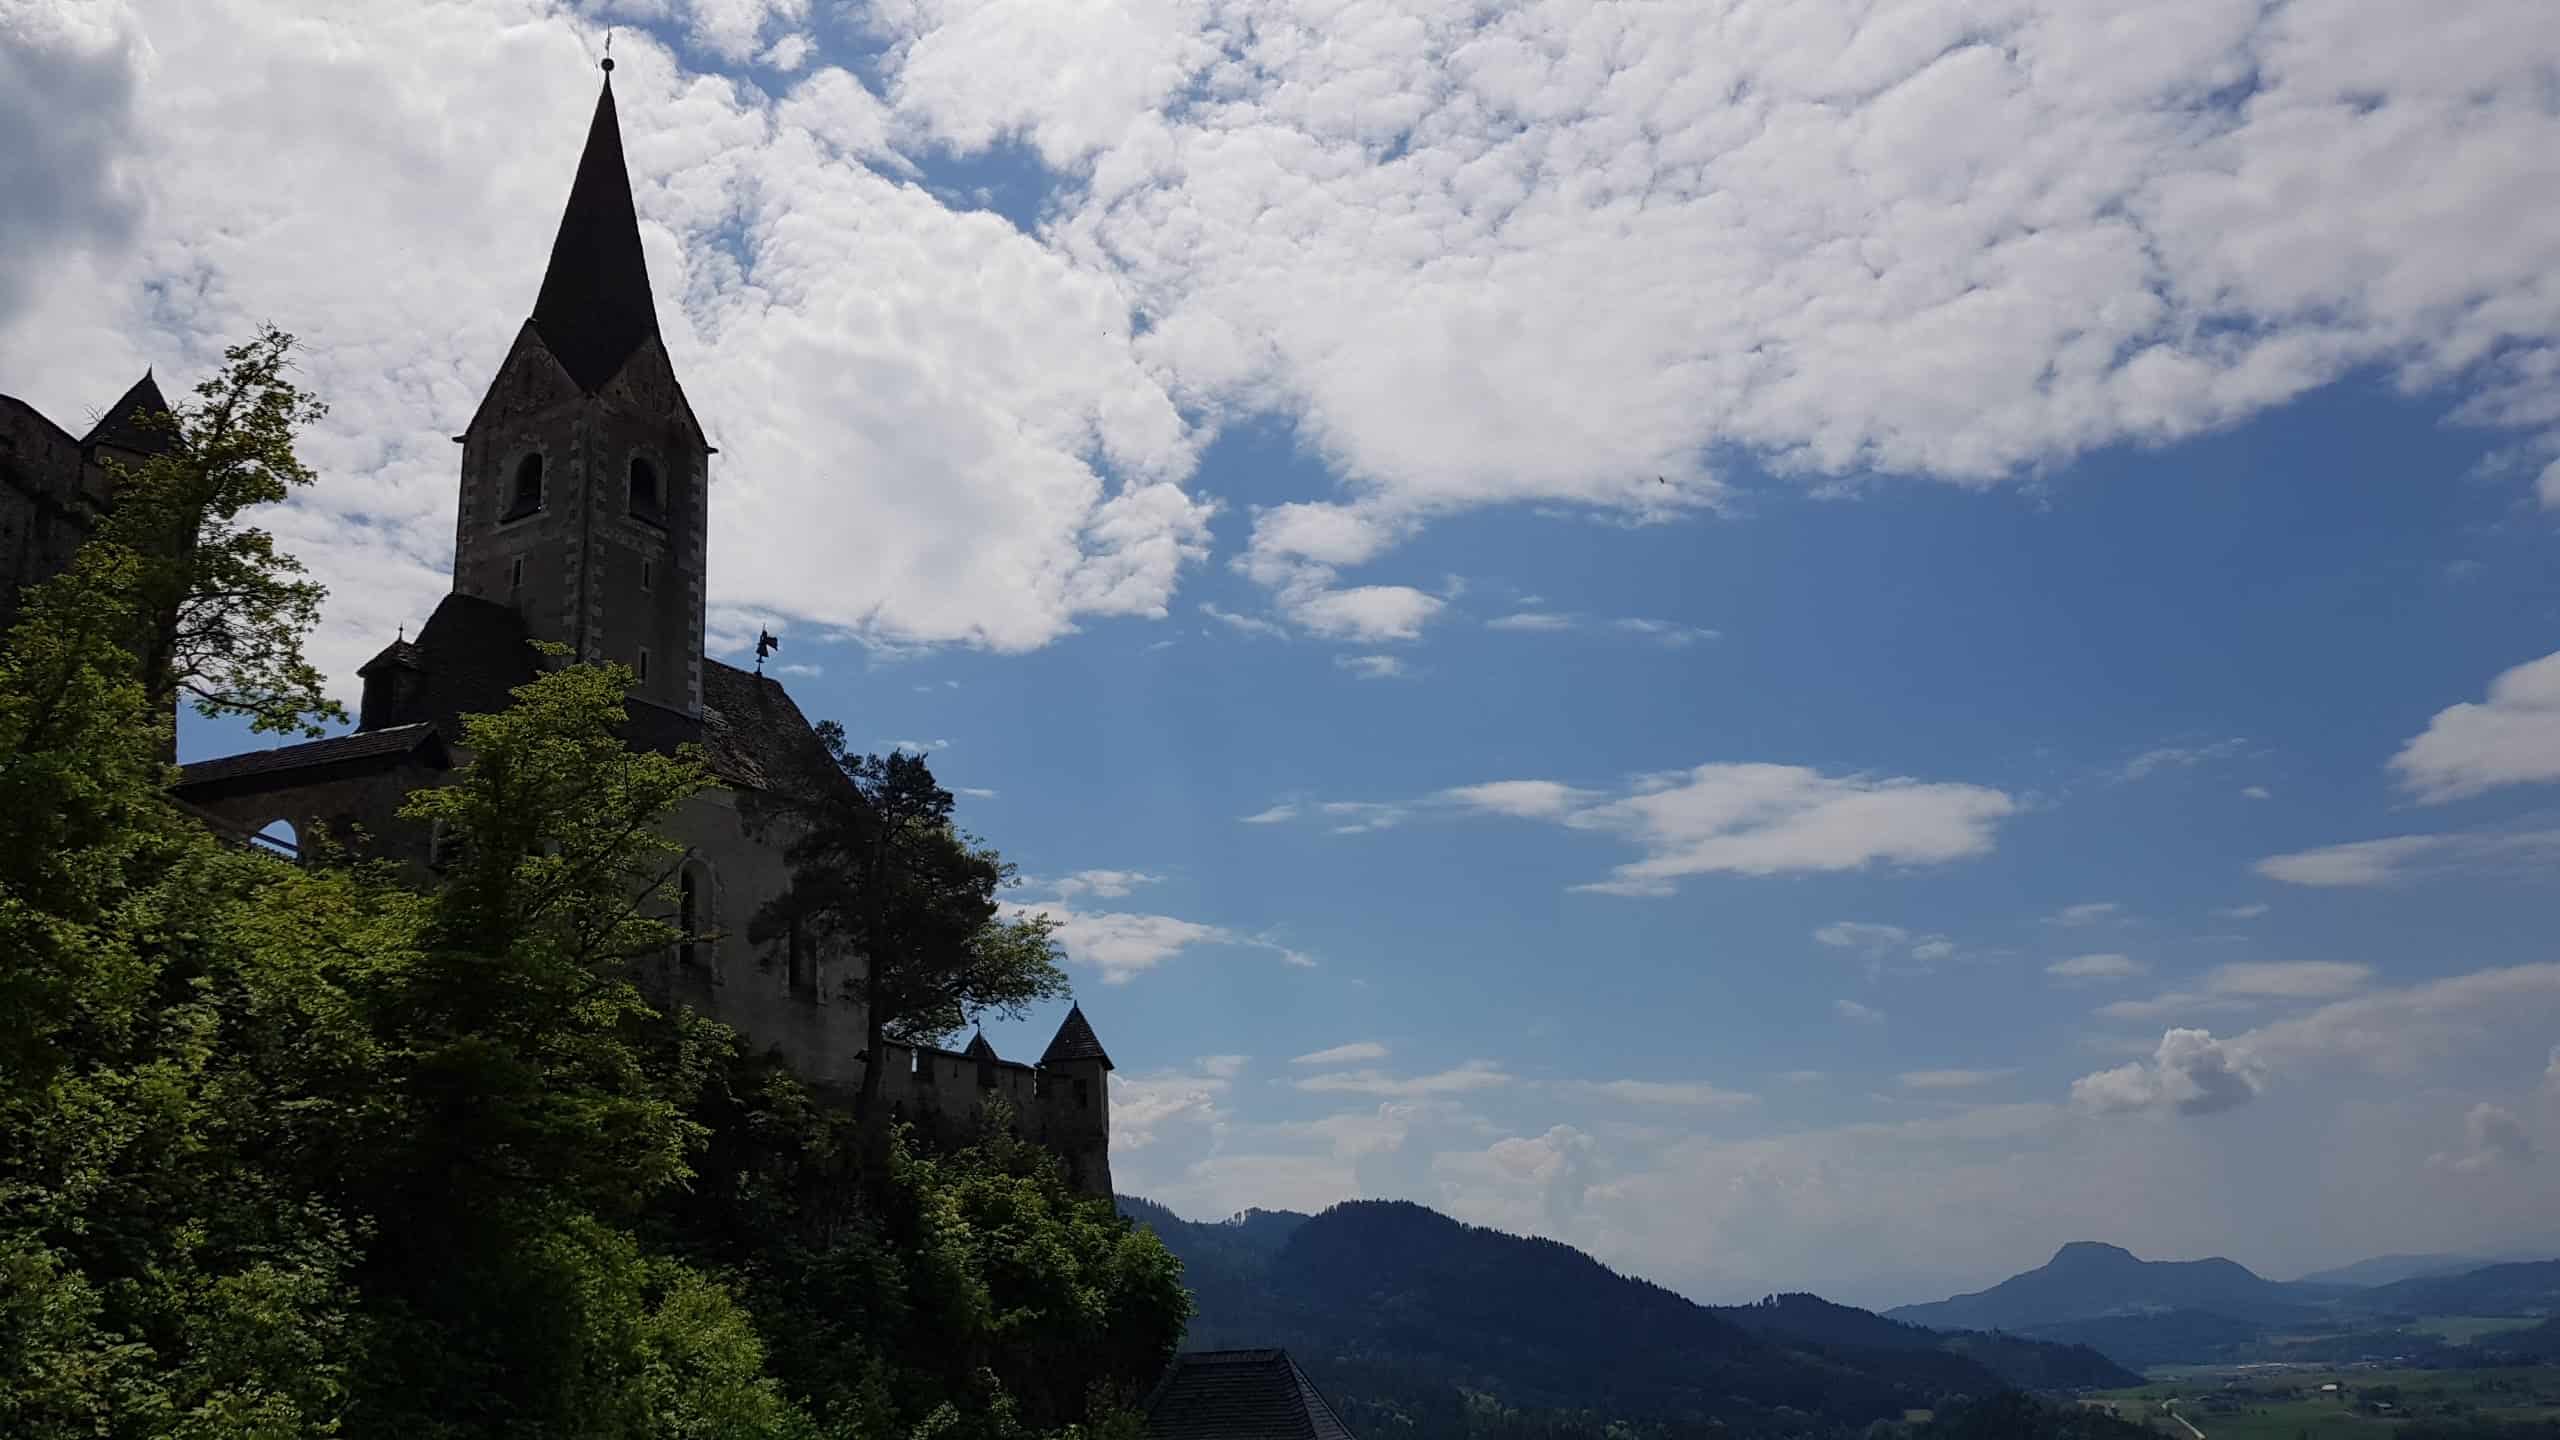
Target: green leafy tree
x: 878, y: 869
x: 219, y: 612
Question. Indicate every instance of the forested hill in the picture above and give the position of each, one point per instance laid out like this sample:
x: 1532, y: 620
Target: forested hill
x: 1402, y: 1313
x: 2084, y: 1280
x: 2529, y: 1288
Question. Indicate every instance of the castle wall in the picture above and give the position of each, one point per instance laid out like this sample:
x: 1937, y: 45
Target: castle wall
x: 367, y: 803
x: 49, y: 498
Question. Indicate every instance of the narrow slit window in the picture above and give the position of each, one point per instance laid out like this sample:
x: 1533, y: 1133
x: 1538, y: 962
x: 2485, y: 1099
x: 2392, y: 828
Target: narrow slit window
x: 648, y: 572
x: 515, y: 573
x: 643, y: 666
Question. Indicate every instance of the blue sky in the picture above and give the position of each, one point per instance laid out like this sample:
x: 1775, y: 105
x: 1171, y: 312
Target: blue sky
x: 2106, y: 465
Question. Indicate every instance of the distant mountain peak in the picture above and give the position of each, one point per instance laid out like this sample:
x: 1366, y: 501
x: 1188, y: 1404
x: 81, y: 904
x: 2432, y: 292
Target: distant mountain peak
x: 2093, y: 1252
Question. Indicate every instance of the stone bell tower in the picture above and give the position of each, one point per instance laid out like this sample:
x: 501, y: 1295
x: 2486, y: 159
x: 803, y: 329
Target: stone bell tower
x: 584, y: 474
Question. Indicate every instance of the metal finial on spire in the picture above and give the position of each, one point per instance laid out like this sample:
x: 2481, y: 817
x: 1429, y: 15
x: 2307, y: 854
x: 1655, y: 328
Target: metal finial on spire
x: 608, y: 52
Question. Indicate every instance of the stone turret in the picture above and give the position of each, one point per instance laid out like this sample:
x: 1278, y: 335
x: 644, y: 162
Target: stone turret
x: 1076, y: 1104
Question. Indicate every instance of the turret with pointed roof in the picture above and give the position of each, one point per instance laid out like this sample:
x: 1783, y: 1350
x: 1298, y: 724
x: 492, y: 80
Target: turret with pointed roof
x: 1075, y: 1040
x: 595, y: 308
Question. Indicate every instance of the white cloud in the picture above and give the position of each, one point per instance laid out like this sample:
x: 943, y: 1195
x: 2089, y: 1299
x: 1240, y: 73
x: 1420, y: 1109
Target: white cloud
x: 1866, y: 935
x: 2513, y: 738
x: 2492, y: 1139
x: 1670, y: 634
x: 1541, y: 621
x: 788, y: 53
x: 2240, y: 912
x: 1359, y: 817
x: 2178, y: 757
x: 2097, y: 967
x: 2547, y: 487
x: 1459, y: 1080
x: 1122, y: 946
x: 2191, y: 1072
x: 1942, y: 242
x: 2257, y: 792
x: 2551, y: 1073
x: 1352, y: 1053
x: 1852, y: 1010
x: 1274, y: 815
x: 1775, y: 819
x: 1664, y: 1092
x: 2289, y: 979
x: 1372, y: 667
x: 1109, y: 884
x: 1933, y: 950
x: 1524, y: 799
x: 917, y: 747
x: 2397, y: 858
x: 1146, y: 1107
x: 975, y: 792
x: 1244, y: 624
x: 1950, y: 1079
x: 2094, y: 912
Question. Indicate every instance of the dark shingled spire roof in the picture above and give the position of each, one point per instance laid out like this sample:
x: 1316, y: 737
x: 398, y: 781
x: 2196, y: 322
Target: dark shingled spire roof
x: 1240, y: 1395
x: 133, y: 422
x: 979, y: 1049
x: 595, y: 309
x: 1075, y: 1040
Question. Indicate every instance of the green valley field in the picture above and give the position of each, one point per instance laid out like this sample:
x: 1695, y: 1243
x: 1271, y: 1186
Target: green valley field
x: 2289, y: 1403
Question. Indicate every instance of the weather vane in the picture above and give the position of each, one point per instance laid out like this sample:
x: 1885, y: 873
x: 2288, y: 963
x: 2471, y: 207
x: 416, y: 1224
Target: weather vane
x: 766, y: 644
x: 608, y: 58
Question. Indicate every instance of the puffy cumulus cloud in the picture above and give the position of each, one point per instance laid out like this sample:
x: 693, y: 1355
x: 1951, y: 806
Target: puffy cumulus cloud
x: 68, y: 75
x: 2492, y: 1138
x: 2398, y: 858
x: 1372, y: 667
x: 1124, y: 945
x: 2191, y: 1073
x: 1551, y: 251
x: 2097, y: 967
x: 2512, y: 738
x: 1147, y: 1107
x: 936, y: 392
x: 1774, y: 819
x: 1522, y: 1183
x: 1108, y: 884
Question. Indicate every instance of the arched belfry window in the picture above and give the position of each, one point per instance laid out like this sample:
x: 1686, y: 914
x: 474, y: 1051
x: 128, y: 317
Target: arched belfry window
x: 648, y: 495
x: 525, y: 497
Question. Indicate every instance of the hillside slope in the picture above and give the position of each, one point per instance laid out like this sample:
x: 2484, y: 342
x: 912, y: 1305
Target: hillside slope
x: 1402, y: 1313
x: 2528, y: 1288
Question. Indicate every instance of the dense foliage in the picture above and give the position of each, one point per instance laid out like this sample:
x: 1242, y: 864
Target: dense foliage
x: 1418, y: 1326
x: 300, y: 1150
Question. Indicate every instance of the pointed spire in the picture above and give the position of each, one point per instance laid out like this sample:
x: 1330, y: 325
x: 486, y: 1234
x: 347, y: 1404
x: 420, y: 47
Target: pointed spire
x: 979, y: 1049
x: 135, y: 421
x: 595, y: 308
x: 1075, y: 1040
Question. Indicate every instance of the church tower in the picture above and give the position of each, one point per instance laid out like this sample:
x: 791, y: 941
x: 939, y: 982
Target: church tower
x: 585, y: 476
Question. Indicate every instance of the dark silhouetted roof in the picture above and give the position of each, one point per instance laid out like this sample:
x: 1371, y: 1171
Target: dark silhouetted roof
x: 129, y: 424
x: 1075, y: 1040
x: 595, y: 308
x: 753, y: 734
x: 1240, y: 1395
x: 475, y: 653
x: 383, y: 746
x: 398, y: 652
x: 979, y: 1049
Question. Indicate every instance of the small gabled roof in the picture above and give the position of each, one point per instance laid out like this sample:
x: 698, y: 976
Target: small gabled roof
x: 135, y: 422
x: 1240, y: 1395
x: 1075, y: 1040
x: 979, y: 1049
x: 595, y: 308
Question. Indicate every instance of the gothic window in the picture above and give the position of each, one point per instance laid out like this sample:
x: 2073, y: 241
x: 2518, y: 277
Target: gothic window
x: 278, y: 838
x: 526, y: 496
x: 648, y: 499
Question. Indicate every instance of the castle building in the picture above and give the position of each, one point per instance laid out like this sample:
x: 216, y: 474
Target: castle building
x: 585, y: 500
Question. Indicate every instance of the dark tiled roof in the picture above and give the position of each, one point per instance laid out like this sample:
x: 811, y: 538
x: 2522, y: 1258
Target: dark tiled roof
x: 595, y: 309
x: 1240, y: 1395
x: 979, y: 1049
x: 1075, y: 1040
x: 475, y: 653
x: 398, y: 652
x: 137, y: 421
x: 364, y: 745
x: 753, y: 734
